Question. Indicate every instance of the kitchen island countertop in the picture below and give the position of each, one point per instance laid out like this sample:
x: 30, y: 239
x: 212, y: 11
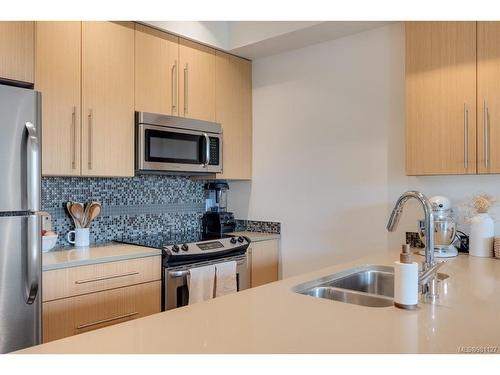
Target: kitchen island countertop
x: 273, y: 319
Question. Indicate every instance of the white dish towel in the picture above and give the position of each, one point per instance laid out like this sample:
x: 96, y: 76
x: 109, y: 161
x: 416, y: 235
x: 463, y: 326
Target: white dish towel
x: 201, y: 283
x: 225, y: 278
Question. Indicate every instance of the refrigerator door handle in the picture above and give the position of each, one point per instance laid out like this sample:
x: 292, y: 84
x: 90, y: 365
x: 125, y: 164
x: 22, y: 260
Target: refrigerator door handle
x: 33, y: 264
x: 33, y: 168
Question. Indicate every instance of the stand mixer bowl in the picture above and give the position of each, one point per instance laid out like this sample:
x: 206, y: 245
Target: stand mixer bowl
x: 444, y: 232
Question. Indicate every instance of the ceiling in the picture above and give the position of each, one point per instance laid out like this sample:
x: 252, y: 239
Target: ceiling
x: 257, y: 39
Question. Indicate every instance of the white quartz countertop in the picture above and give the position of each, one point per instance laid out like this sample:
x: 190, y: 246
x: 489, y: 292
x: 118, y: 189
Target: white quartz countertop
x: 83, y: 256
x: 274, y: 319
x: 257, y: 236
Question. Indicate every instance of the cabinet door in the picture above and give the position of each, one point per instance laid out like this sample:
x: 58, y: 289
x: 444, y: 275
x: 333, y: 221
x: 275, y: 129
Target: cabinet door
x: 488, y: 97
x: 58, y: 77
x: 17, y: 50
x: 233, y: 100
x: 440, y: 98
x: 264, y: 262
x: 74, y: 315
x: 156, y: 71
x: 197, y: 81
x: 107, y: 99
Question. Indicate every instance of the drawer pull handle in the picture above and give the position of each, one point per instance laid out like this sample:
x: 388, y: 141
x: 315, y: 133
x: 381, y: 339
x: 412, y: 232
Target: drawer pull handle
x: 106, y: 278
x: 81, y: 326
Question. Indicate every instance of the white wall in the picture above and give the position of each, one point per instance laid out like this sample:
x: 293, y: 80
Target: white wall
x: 242, y: 33
x: 321, y: 119
x: 329, y: 150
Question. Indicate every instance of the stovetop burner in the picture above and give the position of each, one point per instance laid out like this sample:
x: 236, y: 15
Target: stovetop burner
x: 162, y: 240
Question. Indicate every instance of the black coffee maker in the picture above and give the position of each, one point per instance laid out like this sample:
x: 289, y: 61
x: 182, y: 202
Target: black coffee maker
x: 217, y: 221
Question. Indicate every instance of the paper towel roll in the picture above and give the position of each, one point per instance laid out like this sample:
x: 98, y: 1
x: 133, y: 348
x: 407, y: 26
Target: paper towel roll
x: 406, y: 285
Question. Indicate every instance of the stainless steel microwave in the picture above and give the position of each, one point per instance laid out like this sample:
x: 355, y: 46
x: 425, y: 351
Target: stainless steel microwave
x: 177, y: 144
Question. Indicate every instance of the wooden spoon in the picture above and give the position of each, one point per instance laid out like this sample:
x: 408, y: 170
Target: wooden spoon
x: 76, y: 209
x: 68, y: 208
x: 93, y: 211
x: 86, y: 215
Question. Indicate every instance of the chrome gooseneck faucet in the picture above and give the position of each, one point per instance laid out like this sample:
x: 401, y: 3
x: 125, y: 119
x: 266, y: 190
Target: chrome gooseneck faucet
x: 428, y: 276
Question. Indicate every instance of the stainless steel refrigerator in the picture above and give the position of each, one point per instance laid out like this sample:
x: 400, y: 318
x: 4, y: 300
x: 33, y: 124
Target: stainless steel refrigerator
x: 20, y: 221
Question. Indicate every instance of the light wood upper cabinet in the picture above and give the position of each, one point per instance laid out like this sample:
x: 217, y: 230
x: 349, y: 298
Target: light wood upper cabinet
x: 233, y: 98
x: 17, y: 50
x: 488, y: 97
x: 156, y: 71
x: 57, y: 76
x: 440, y: 98
x: 197, y: 81
x: 107, y: 99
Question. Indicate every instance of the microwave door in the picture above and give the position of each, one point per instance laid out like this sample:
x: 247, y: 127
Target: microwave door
x: 174, y: 150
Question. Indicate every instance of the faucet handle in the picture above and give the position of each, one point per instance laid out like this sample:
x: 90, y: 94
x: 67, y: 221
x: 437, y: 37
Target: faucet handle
x: 425, y: 275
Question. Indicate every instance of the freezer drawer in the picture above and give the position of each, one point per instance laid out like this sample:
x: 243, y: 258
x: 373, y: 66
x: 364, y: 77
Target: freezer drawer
x: 20, y: 270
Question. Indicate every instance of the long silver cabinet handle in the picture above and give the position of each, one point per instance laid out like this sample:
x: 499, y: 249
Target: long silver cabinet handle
x: 81, y: 326
x: 109, y: 277
x: 33, y: 256
x: 466, y: 136
x: 186, y: 85
x: 486, y: 135
x: 73, y: 137
x: 174, y: 87
x: 90, y: 120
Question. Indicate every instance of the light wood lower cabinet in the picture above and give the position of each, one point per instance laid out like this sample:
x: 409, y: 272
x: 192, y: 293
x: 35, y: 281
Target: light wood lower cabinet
x: 107, y: 99
x: 57, y: 77
x: 263, y: 260
x: 68, y: 282
x: 80, y: 299
x: 74, y: 315
x: 233, y: 98
x: 17, y: 50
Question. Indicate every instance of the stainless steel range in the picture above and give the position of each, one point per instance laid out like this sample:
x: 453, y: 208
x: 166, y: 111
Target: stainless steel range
x: 185, y: 251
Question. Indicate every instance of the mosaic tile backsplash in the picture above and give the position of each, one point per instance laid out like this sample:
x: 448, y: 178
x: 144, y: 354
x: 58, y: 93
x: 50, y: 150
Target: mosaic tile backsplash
x: 139, y: 205
x: 258, y: 226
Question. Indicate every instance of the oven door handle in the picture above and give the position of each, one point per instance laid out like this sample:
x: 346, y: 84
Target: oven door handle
x: 175, y: 274
x: 182, y: 273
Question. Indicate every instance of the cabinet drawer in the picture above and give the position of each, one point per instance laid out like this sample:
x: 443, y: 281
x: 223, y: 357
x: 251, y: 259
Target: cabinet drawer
x: 74, y: 315
x: 74, y: 281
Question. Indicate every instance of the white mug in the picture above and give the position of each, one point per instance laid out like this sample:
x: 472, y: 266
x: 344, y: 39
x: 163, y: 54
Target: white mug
x: 81, y: 237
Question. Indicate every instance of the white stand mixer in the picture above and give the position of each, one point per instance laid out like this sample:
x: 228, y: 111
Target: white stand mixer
x: 444, y: 228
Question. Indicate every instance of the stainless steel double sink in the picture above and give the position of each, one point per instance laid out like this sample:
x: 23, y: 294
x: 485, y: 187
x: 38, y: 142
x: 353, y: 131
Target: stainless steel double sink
x: 370, y: 285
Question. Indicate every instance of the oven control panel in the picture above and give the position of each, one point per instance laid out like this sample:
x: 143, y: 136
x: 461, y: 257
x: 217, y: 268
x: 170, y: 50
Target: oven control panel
x: 210, y: 245
x: 204, y: 248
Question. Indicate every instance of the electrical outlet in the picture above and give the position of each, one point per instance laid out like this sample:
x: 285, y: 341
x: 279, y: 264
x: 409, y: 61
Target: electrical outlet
x: 46, y: 221
x: 413, y: 239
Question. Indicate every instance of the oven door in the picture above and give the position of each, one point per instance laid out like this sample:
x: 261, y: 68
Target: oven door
x: 175, y: 287
x: 161, y: 148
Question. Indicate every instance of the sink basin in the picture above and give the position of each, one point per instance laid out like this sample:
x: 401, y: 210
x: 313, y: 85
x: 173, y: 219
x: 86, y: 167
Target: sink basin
x: 347, y: 296
x: 370, y: 285
x: 377, y: 280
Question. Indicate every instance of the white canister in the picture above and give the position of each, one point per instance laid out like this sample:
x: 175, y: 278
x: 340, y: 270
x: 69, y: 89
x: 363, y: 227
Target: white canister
x: 482, y: 231
x: 81, y: 237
